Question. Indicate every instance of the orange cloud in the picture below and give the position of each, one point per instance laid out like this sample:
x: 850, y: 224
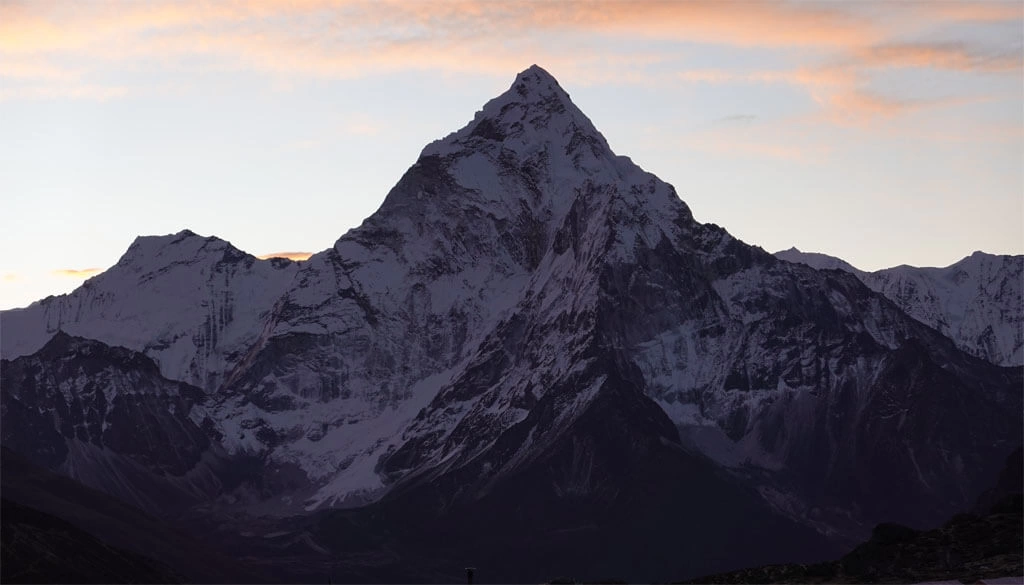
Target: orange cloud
x: 368, y: 37
x: 77, y: 273
x: 818, y: 76
x: 975, y: 11
x: 750, y: 24
x: 10, y: 277
x: 859, y: 102
x: 841, y: 89
x: 950, y: 56
x: 362, y: 29
x: 296, y: 256
x: 857, y: 107
x: 61, y: 50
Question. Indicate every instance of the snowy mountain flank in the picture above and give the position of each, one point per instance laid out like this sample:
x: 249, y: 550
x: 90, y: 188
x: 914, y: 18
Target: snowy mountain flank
x: 534, y: 331
x: 977, y: 302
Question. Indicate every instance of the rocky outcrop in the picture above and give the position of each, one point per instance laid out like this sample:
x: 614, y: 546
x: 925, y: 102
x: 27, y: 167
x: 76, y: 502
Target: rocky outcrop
x: 106, y: 417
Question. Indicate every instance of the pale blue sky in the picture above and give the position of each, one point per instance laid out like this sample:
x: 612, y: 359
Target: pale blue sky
x: 883, y: 133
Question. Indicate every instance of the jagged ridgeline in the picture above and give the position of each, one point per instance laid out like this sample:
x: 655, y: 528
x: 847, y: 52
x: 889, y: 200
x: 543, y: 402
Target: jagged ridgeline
x: 976, y: 302
x: 531, y: 359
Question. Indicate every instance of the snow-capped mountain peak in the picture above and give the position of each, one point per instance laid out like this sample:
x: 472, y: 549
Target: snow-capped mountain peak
x: 535, y: 114
x: 157, y: 253
x: 193, y: 303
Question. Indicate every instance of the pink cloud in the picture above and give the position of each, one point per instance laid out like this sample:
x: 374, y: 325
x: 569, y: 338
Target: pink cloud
x: 297, y: 256
x: 52, y: 49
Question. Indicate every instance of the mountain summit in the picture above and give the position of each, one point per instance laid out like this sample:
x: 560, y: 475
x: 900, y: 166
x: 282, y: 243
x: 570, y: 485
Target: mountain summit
x: 533, y: 114
x: 535, y: 331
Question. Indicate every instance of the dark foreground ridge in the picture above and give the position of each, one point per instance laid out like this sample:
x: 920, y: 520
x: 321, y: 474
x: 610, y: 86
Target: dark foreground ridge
x: 968, y: 548
x: 40, y: 548
x: 56, y: 530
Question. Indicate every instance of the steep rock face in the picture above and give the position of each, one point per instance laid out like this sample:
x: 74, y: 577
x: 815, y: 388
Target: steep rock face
x: 106, y: 417
x: 191, y: 303
x: 604, y: 488
x: 977, y: 302
x: 802, y: 375
x: 821, y: 392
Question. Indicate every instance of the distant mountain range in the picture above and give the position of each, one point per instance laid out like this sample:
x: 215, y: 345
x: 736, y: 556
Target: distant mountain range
x: 531, y: 359
x: 976, y: 302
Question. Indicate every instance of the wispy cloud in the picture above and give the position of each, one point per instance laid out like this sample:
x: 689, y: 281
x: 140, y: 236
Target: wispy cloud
x: 80, y: 273
x: 948, y: 56
x: 43, y: 92
x: 10, y: 277
x: 858, y: 107
x: 807, y: 76
x: 997, y: 11
x: 297, y: 256
x: 857, y: 104
x: 842, y: 88
x: 56, y: 49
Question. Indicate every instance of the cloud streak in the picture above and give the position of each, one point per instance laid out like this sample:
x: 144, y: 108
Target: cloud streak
x: 296, y: 256
x: 947, y: 56
x: 70, y: 50
x: 79, y: 273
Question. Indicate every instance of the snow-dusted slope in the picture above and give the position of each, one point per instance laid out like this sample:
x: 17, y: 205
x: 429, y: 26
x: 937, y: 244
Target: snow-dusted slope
x: 977, y: 302
x: 192, y: 303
